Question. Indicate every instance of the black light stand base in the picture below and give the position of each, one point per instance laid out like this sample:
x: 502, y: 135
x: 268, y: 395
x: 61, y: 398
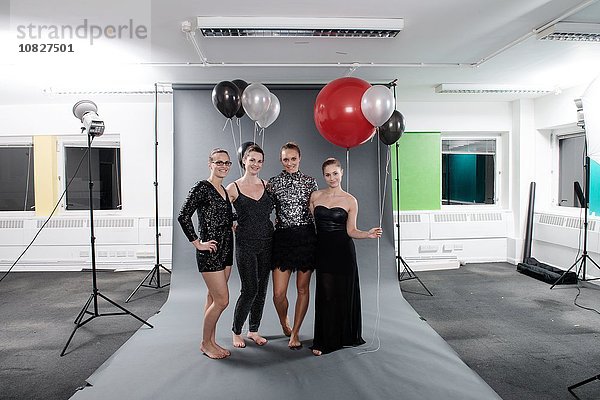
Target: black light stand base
x: 95, y: 314
x: 407, y: 274
x: 585, y: 382
x: 582, y: 261
x: 153, y: 282
x: 546, y: 273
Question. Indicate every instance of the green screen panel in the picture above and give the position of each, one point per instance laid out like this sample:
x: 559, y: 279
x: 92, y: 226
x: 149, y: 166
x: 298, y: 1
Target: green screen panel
x: 420, y: 171
x: 594, y: 188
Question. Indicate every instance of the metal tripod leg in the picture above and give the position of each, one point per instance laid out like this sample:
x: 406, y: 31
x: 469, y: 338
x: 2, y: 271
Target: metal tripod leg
x: 584, y: 382
x: 410, y: 274
x: 154, y: 276
x: 94, y: 296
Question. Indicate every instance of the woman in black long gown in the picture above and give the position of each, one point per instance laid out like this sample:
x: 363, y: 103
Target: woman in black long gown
x: 337, y: 299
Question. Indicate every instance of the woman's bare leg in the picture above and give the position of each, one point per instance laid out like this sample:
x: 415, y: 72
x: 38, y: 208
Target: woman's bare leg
x: 303, y: 289
x: 216, y: 282
x: 281, y: 279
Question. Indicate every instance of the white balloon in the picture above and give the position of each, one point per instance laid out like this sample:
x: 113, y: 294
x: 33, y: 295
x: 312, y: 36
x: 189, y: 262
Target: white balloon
x: 256, y: 100
x: 378, y: 104
x: 272, y: 113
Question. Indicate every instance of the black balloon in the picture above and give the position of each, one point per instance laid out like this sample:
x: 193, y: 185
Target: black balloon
x: 393, y: 129
x: 227, y: 98
x: 241, y: 150
x: 241, y: 84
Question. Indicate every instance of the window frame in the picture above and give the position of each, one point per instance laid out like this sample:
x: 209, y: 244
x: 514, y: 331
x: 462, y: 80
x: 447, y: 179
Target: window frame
x: 556, y: 136
x: 104, y: 141
x: 498, y: 170
x: 19, y: 141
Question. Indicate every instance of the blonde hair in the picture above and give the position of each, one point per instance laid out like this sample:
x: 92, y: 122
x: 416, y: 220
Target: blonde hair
x: 330, y: 161
x: 216, y: 151
x: 290, y: 146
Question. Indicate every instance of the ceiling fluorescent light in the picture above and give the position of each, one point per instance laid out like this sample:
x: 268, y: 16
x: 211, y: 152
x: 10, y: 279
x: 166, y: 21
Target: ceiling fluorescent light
x: 571, y: 31
x: 299, y: 27
x: 487, y: 88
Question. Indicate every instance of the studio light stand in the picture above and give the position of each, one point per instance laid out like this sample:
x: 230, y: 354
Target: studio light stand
x: 405, y: 273
x: 581, y: 262
x: 86, y: 111
x: 153, y: 277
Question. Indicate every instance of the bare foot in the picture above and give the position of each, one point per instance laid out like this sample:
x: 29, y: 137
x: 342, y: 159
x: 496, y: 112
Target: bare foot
x: 259, y: 340
x: 210, y: 351
x: 294, y: 342
x: 317, y: 352
x: 287, y: 329
x: 223, y: 350
x: 238, y: 341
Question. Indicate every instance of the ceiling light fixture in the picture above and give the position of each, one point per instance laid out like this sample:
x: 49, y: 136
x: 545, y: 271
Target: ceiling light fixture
x: 571, y: 31
x: 472, y: 88
x: 214, y: 27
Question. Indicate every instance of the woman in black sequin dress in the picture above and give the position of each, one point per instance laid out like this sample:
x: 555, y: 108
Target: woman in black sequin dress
x: 253, y: 237
x: 337, y: 297
x: 294, y: 239
x: 213, y: 243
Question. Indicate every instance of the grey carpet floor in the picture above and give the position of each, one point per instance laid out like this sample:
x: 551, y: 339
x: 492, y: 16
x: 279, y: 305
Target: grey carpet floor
x: 37, y: 310
x: 525, y: 340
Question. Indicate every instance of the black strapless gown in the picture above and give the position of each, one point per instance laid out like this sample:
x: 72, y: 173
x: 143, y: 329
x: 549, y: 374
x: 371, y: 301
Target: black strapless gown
x: 337, y: 300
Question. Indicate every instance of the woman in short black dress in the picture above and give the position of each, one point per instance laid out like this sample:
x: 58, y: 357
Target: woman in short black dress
x: 294, y: 239
x: 337, y: 298
x: 214, y: 245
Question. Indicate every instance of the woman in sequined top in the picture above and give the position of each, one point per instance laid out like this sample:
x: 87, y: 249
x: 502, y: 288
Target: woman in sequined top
x: 294, y: 239
x: 214, y: 244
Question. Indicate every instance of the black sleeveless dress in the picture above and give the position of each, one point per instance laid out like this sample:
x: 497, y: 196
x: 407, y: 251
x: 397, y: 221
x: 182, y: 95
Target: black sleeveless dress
x: 337, y: 300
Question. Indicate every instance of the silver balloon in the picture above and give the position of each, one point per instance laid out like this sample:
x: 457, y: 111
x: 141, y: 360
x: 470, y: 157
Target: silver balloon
x: 272, y: 113
x: 256, y: 99
x: 378, y: 104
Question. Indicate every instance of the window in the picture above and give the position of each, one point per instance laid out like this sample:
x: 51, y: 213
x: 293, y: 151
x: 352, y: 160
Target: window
x: 468, y: 170
x: 570, y: 170
x: 106, y: 176
x: 16, y: 178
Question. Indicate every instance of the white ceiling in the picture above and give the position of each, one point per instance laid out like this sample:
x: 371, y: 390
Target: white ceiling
x: 441, y: 42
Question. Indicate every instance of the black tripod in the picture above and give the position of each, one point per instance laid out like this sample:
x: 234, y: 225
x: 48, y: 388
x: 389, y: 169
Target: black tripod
x: 93, y: 299
x: 153, y: 277
x: 583, y: 259
x: 405, y: 273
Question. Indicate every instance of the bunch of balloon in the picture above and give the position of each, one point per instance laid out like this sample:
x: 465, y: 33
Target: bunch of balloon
x: 261, y: 106
x: 227, y: 99
x: 338, y: 114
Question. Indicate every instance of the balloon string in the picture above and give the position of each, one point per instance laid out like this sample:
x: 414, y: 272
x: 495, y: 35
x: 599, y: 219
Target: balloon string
x: 347, y: 169
x: 238, y: 122
x: 262, y: 142
x: 235, y: 146
x: 227, y: 120
x: 255, y: 131
x: 378, y: 315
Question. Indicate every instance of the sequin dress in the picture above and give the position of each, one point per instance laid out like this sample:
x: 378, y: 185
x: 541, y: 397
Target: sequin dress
x: 294, y: 238
x: 215, y: 219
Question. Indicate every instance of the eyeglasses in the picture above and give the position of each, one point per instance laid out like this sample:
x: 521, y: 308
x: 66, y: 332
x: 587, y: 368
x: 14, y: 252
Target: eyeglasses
x: 222, y: 163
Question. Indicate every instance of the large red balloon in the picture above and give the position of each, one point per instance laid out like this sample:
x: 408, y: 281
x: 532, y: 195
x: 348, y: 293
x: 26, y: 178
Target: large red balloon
x: 338, y: 115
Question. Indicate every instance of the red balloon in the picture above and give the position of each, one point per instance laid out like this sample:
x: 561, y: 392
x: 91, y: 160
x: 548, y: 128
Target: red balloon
x: 338, y: 115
